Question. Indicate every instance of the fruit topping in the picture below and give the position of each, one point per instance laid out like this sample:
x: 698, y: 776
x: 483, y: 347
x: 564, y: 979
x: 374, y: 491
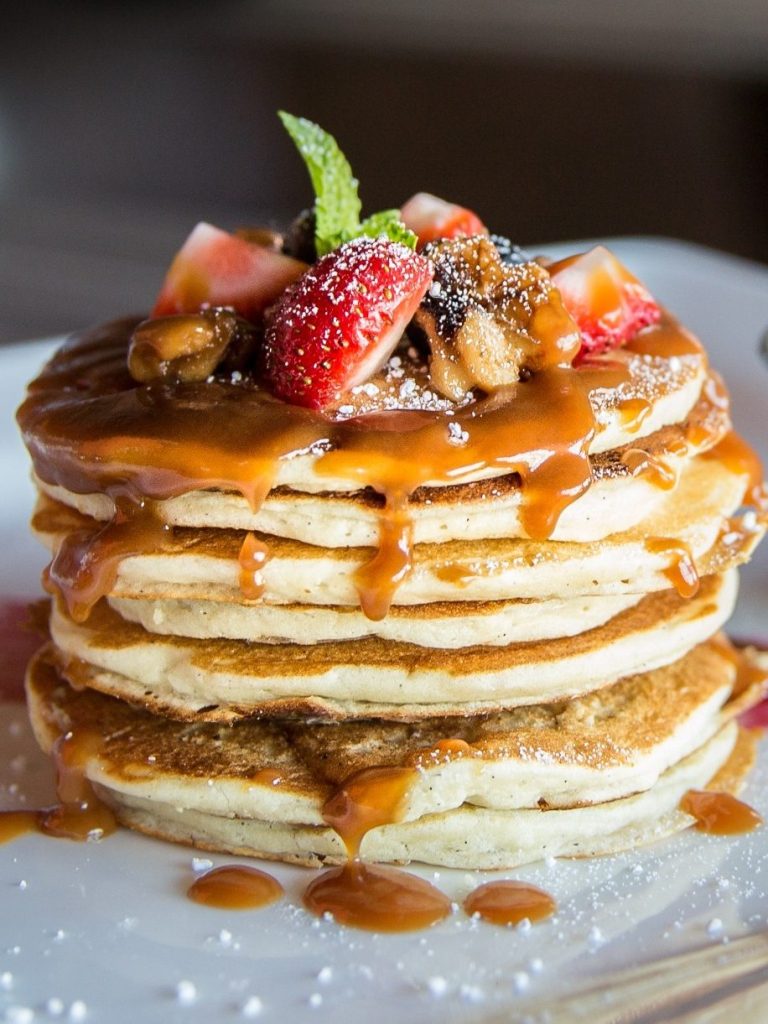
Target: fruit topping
x: 340, y: 322
x: 608, y: 303
x: 431, y: 218
x: 215, y: 268
x: 337, y: 204
x: 188, y: 347
x: 299, y: 240
x: 509, y: 252
x: 487, y: 323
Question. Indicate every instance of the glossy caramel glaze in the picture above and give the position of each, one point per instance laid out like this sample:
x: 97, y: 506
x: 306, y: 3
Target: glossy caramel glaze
x: 508, y: 902
x: 235, y: 887
x: 91, y: 429
x: 721, y: 814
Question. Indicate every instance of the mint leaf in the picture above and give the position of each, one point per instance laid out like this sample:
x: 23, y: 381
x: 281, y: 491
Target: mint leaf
x: 388, y: 223
x: 337, y: 204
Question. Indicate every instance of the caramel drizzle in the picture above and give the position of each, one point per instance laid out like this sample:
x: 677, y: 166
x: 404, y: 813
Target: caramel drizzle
x: 235, y: 887
x: 89, y: 428
x: 720, y: 814
x: 646, y: 464
x: 509, y: 902
x: 681, y: 571
x: 739, y: 457
x: 253, y: 556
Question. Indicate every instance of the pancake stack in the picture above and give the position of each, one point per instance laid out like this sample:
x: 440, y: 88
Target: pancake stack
x: 516, y: 597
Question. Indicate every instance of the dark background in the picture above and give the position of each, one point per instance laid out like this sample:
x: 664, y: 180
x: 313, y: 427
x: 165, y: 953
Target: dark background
x: 122, y: 126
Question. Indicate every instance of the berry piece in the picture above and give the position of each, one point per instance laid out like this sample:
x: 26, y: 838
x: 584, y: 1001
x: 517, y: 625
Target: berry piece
x: 608, y: 303
x: 340, y: 322
x: 431, y: 218
x: 215, y: 268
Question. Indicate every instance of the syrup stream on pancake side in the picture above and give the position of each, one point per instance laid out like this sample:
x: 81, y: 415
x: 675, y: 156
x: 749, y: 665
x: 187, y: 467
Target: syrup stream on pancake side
x: 253, y: 556
x: 720, y: 813
x: 235, y: 887
x: 681, y: 571
x: 370, y: 896
x: 646, y: 464
x: 79, y: 814
x: 91, y: 430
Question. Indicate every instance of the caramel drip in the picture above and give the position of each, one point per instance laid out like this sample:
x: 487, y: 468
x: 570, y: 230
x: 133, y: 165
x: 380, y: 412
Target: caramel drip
x: 444, y: 751
x: 634, y: 412
x: 369, y: 798
x: 508, y: 903
x: 681, y: 572
x: 376, y: 898
x: 252, y: 558
x: 642, y: 463
x: 80, y: 814
x: 369, y: 896
x: 235, y: 887
x: 738, y: 457
x: 748, y: 673
x: 720, y: 813
x: 377, y: 581
x: 86, y: 564
x: 91, y: 429
x: 456, y: 573
x: 17, y: 823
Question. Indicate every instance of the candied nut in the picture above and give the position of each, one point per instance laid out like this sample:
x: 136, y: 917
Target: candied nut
x: 490, y: 321
x: 185, y: 348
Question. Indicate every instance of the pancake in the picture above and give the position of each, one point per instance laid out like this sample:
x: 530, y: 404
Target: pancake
x: 225, y: 679
x: 203, y: 564
x: 594, y: 775
x: 617, y: 499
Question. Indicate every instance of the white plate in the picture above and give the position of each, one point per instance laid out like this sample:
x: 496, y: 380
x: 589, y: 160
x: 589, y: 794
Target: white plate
x: 107, y: 924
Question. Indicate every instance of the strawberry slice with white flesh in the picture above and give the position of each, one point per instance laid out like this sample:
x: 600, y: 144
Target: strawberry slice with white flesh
x: 215, y: 268
x: 607, y: 302
x: 430, y: 218
x: 340, y: 322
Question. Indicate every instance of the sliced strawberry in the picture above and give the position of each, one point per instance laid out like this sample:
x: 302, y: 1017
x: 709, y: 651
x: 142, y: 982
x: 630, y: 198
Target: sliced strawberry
x: 218, y: 269
x: 608, y: 303
x: 430, y: 217
x: 339, y: 323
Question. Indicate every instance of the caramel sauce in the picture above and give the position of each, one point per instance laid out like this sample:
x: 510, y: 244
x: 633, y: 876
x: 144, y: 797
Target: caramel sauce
x: 17, y: 823
x: 456, y: 573
x: 737, y: 456
x: 748, y: 673
x: 86, y: 563
x: 235, y: 887
x: 646, y: 464
x: 445, y: 750
x: 253, y: 556
x: 681, y: 572
x: 508, y: 903
x: 79, y: 814
x: 720, y: 813
x: 369, y: 896
x: 376, y: 898
x: 634, y: 412
x: 369, y: 798
x: 378, y: 580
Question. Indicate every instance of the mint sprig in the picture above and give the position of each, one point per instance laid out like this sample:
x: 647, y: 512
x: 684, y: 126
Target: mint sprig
x: 337, y: 203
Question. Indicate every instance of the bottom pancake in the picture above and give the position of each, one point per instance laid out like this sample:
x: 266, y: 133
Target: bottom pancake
x: 591, y: 776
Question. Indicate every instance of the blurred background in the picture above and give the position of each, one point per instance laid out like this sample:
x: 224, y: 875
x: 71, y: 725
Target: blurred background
x: 121, y: 126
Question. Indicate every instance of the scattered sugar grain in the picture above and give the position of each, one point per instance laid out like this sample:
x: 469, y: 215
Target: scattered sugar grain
x: 536, y: 965
x: 524, y: 925
x: 201, y: 863
x: 22, y: 884
x: 595, y: 937
x: 471, y: 993
x: 437, y: 985
x: 521, y: 981
x: 6, y: 981
x: 78, y: 1011
x: 54, y: 1006
x: 19, y: 1015
x: 325, y: 975
x: 127, y: 924
x: 186, y: 992
x: 252, y: 1007
x: 315, y: 1000
x: 59, y: 935
x: 715, y: 928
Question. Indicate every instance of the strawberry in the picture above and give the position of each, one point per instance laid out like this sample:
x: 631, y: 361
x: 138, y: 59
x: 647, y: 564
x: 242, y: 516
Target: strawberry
x: 215, y: 268
x: 339, y: 323
x: 607, y: 302
x: 431, y: 218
